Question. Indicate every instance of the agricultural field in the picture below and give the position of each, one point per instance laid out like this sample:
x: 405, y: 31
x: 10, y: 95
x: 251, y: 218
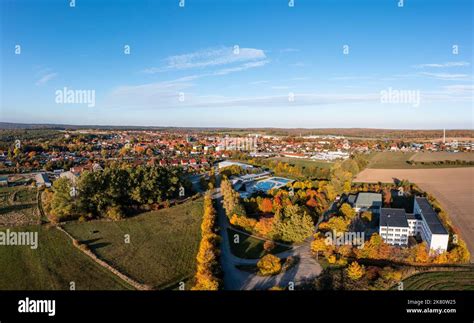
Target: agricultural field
x: 441, y: 280
x: 304, y: 162
x: 388, y: 159
x: 250, y: 247
x: 163, y: 244
x: 400, y: 160
x: 442, y: 156
x: 52, y: 266
x: 18, y: 206
x: 452, y: 187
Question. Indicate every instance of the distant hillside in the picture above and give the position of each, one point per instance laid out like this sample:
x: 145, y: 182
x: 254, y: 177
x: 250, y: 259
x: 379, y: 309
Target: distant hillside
x: 347, y: 132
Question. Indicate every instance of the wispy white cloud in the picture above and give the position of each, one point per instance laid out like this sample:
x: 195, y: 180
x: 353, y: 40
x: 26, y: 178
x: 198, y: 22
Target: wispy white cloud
x: 459, y: 89
x: 46, y: 78
x: 158, y: 94
x: 446, y: 76
x: 299, y: 99
x: 241, y: 67
x: 166, y: 95
x: 209, y: 58
x: 442, y: 65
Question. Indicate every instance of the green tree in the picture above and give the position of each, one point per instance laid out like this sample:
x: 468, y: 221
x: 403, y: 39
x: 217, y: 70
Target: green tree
x: 293, y: 224
x: 63, y: 205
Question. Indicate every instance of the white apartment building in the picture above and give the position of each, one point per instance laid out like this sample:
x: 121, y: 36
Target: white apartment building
x: 431, y: 229
x: 396, y: 226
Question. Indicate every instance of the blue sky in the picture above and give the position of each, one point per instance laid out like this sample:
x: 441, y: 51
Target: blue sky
x: 239, y: 63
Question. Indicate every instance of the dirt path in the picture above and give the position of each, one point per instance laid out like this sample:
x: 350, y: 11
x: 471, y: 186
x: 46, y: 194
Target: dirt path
x: 130, y: 281
x: 453, y: 187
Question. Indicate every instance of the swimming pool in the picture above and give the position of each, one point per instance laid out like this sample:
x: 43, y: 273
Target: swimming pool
x: 264, y: 186
x: 280, y: 180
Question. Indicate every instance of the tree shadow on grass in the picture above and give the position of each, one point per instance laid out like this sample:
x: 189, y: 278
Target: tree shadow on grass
x: 13, y: 208
x: 93, y: 244
x: 99, y: 245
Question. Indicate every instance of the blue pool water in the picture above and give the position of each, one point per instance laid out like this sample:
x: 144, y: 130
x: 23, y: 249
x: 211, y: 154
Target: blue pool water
x: 264, y: 186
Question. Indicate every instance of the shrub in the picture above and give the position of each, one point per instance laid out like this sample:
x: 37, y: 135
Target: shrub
x: 269, y: 265
x: 114, y: 213
x: 355, y: 271
x: 268, y: 245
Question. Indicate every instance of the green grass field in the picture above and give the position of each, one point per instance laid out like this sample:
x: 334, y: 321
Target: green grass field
x: 427, y: 156
x: 304, y: 162
x: 163, y: 244
x: 441, y: 280
x: 52, y: 266
x: 390, y: 160
x: 250, y: 247
x: 399, y: 160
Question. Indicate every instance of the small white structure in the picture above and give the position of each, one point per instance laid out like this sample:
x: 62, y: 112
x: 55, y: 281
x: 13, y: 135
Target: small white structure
x: 366, y: 201
x: 331, y: 155
x: 42, y: 180
x: 228, y: 163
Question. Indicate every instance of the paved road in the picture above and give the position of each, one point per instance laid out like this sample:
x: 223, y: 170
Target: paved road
x: 235, y: 279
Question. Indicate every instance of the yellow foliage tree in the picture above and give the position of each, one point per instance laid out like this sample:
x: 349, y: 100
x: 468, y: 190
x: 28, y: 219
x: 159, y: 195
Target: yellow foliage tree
x: 355, y: 271
x: 264, y: 226
x: 269, y: 265
x: 208, y: 251
x: 319, y: 245
x: 243, y: 222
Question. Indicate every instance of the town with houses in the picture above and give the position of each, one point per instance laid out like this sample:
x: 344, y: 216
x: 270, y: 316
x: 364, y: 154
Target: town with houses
x: 197, y: 150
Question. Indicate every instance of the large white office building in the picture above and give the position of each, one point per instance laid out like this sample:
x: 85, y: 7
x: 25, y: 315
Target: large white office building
x: 430, y: 227
x: 393, y: 226
x: 396, y: 226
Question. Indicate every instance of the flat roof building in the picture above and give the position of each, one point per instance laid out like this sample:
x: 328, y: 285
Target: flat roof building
x: 42, y: 179
x: 366, y: 201
x: 395, y: 226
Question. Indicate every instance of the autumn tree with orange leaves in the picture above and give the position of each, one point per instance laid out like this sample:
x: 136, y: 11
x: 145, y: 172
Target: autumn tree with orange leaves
x: 266, y: 205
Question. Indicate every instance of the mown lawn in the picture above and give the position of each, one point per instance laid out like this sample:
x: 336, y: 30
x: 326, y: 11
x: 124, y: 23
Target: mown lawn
x: 250, y: 247
x: 441, y: 280
x: 163, y: 244
x: 52, y: 266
